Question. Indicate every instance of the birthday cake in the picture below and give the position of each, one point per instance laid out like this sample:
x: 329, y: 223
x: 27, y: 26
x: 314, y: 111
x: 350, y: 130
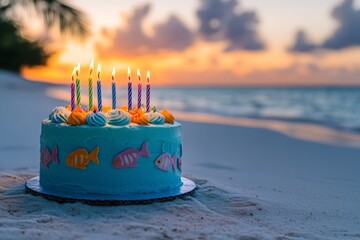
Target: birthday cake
x: 109, y: 151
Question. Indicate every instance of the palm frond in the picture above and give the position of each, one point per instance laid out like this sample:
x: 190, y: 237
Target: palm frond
x: 57, y: 13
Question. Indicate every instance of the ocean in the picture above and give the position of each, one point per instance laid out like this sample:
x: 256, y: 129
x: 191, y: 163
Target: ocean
x: 333, y: 107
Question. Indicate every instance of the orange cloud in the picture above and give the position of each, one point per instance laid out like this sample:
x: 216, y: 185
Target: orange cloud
x: 132, y: 40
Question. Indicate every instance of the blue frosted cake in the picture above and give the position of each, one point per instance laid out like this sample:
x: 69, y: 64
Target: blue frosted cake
x: 110, y: 152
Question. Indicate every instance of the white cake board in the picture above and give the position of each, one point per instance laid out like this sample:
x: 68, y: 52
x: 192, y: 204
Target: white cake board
x: 34, y: 187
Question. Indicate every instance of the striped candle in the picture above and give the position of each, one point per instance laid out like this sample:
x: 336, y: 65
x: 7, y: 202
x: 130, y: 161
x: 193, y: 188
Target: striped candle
x: 78, y: 90
x: 139, y: 89
x: 113, y: 89
x: 99, y: 89
x: 90, y: 94
x: 91, y: 86
x: 72, y: 86
x: 148, y: 92
x: 129, y: 91
x: 73, y: 90
x: 72, y: 96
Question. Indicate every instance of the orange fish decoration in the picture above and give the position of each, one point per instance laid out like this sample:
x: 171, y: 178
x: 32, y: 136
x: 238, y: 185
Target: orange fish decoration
x: 169, y: 118
x: 77, y: 117
x: 138, y: 116
x: 81, y: 157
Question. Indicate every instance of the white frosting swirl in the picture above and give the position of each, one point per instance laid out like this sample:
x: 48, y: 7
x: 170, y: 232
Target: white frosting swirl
x: 59, y: 115
x: 155, y: 117
x: 118, y: 117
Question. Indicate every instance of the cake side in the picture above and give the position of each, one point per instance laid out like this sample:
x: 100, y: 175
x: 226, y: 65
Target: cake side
x: 111, y: 159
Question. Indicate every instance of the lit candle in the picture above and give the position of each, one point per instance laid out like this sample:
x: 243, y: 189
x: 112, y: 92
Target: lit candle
x: 113, y: 87
x: 99, y: 88
x: 129, y: 90
x: 139, y: 89
x: 91, y: 86
x: 148, y: 92
x: 78, y: 90
x: 73, y: 90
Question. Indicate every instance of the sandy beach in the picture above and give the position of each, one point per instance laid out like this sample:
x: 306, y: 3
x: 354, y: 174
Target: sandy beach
x: 256, y: 179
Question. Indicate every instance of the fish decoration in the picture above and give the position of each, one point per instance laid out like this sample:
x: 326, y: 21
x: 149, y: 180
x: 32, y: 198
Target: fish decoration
x: 81, y: 157
x: 47, y: 157
x: 180, y: 164
x: 164, y: 161
x: 129, y: 157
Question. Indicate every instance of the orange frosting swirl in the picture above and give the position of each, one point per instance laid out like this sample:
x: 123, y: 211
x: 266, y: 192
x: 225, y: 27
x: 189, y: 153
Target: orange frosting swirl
x: 169, y: 118
x: 135, y: 111
x: 77, y: 117
x: 125, y: 108
x: 105, y: 109
x: 137, y: 116
x: 140, y: 119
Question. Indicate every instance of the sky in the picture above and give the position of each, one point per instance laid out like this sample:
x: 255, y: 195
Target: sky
x: 213, y: 42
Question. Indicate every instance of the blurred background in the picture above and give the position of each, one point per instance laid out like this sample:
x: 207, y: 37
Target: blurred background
x: 284, y: 60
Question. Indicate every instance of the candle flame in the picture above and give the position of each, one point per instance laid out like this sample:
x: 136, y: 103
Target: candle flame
x: 139, y: 75
x: 73, y: 73
x: 78, y: 70
x: 91, y: 65
x: 113, y: 74
x: 148, y: 76
x: 98, y: 71
x: 129, y: 73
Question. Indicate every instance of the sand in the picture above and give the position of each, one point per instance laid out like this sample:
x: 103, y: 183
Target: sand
x: 255, y: 181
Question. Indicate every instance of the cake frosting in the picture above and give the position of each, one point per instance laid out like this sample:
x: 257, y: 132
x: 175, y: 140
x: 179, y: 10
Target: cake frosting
x: 118, y: 117
x: 77, y: 117
x: 116, y: 152
x: 155, y: 117
x: 96, y: 119
x: 59, y: 115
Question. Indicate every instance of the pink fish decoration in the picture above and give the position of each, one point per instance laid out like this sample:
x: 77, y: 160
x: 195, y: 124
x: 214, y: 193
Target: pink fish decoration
x: 129, y: 157
x: 47, y: 157
x: 164, y: 161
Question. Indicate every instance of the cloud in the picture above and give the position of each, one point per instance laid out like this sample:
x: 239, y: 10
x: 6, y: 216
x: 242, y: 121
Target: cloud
x: 132, y: 40
x: 346, y: 35
x: 172, y: 35
x: 212, y: 14
x: 302, y: 43
x: 219, y: 21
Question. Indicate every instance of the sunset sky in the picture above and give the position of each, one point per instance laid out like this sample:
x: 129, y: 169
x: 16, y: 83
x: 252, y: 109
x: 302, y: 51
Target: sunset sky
x: 213, y: 42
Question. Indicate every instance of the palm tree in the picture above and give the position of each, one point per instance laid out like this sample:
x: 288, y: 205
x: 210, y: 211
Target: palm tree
x: 55, y: 13
x: 15, y: 49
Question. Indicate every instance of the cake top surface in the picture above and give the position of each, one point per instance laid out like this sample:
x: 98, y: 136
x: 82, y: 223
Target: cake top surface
x: 109, y: 117
x: 107, y: 125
